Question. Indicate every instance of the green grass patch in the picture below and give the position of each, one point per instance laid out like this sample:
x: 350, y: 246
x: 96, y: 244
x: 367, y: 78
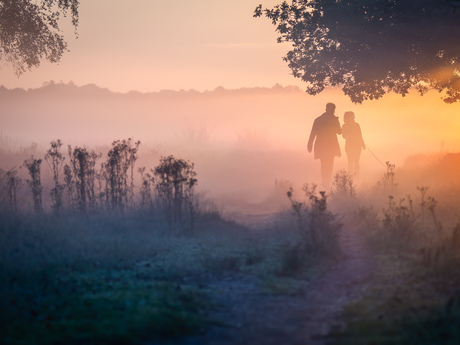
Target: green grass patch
x: 101, y: 307
x: 282, y: 286
x: 403, y: 306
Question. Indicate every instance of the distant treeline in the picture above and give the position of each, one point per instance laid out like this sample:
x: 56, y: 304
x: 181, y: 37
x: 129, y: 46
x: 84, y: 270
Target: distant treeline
x: 65, y: 89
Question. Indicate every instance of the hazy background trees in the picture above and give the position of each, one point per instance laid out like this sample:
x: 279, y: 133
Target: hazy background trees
x: 371, y: 47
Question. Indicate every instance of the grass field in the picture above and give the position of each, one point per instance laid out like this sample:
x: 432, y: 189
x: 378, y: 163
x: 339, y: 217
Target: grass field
x: 138, y: 270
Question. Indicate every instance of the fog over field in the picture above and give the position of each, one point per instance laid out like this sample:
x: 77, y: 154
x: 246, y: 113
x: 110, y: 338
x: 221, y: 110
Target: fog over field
x: 229, y: 172
x: 240, y: 140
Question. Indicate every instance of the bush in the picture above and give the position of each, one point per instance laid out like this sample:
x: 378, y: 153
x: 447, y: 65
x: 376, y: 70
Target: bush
x: 119, y: 185
x: 55, y: 160
x: 10, y: 183
x: 343, y: 185
x: 317, y: 228
x: 33, y: 167
x: 175, y: 182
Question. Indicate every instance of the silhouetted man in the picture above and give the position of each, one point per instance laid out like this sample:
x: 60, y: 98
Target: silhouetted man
x: 326, y: 146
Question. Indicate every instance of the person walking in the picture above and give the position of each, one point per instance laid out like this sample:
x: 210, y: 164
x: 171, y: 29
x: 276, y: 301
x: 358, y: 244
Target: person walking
x: 324, y: 143
x: 354, y: 143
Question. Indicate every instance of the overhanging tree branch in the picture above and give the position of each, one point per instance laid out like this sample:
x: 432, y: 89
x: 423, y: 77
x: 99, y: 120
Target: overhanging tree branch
x: 371, y: 47
x: 29, y: 31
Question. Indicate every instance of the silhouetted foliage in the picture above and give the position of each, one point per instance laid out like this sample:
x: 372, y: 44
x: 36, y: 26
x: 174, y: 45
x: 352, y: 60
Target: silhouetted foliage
x: 343, y: 185
x: 399, y: 218
x: 120, y: 160
x: 175, y: 182
x: 55, y: 160
x: 148, y: 180
x: 169, y: 187
x: 318, y: 227
x: 33, y: 167
x: 80, y: 177
x: 69, y: 184
x: 11, y: 181
x: 388, y: 184
x: 371, y: 47
x: 29, y: 31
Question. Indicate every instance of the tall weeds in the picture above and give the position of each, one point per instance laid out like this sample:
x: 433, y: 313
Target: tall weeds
x: 119, y: 173
x: 388, y: 183
x: 55, y: 160
x: 148, y: 181
x: 80, y: 176
x: 80, y: 186
x: 33, y: 167
x: 318, y: 228
x: 11, y: 182
x: 399, y: 219
x: 175, y: 182
x: 343, y: 185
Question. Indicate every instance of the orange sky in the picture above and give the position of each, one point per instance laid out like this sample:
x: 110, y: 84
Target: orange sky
x: 149, y: 45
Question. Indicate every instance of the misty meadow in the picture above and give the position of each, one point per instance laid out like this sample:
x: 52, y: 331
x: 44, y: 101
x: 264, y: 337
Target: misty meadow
x: 118, y: 244
x: 229, y: 172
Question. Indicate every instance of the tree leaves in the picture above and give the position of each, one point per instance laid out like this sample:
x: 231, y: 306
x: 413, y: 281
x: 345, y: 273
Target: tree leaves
x: 373, y: 47
x: 29, y: 31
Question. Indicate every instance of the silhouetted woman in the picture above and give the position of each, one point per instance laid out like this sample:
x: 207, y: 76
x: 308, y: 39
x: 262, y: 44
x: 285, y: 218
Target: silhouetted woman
x: 326, y: 146
x: 354, y: 143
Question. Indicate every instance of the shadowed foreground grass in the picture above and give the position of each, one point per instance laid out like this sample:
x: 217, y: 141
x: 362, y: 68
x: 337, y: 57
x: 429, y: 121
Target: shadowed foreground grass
x: 414, y: 296
x: 101, y: 307
x: 74, y: 281
x: 134, y: 278
x: 404, y: 307
x: 100, y: 279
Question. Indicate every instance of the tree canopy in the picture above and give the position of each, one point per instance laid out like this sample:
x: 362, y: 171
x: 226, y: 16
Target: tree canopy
x: 371, y: 47
x: 29, y: 31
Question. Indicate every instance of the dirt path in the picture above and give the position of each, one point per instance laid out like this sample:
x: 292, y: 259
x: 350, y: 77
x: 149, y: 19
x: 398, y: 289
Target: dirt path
x: 251, y: 317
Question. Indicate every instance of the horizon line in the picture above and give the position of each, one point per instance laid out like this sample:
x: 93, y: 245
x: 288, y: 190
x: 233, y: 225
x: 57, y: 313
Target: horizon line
x: 220, y: 88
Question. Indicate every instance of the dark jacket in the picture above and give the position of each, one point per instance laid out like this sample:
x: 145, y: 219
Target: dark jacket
x: 325, y: 129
